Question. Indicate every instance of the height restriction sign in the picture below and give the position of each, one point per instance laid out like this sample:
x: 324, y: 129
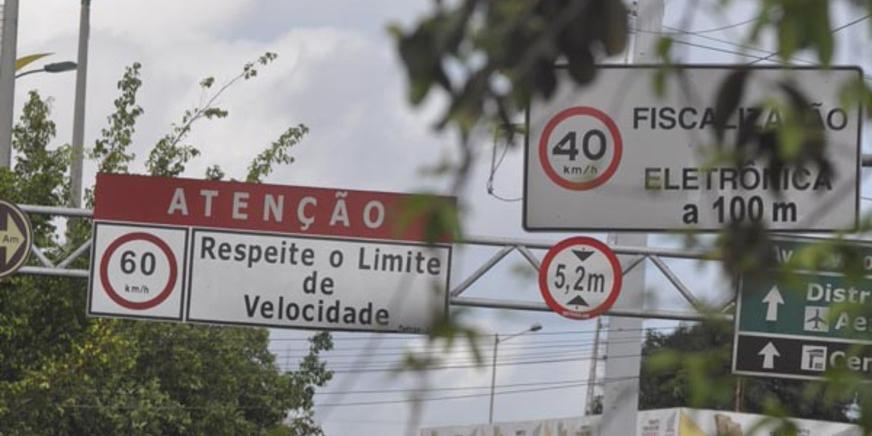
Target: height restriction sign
x: 580, y: 278
x: 614, y: 155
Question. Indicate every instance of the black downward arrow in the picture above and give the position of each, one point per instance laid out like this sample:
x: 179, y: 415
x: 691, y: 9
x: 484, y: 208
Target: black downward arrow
x: 582, y: 255
x: 578, y: 301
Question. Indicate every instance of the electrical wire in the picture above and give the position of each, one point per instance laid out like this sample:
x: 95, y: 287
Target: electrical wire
x: 490, y: 335
x: 577, y: 355
x: 452, y: 388
x: 832, y: 31
x: 450, y: 367
x: 460, y: 353
x: 458, y: 397
x: 700, y: 34
x: 484, y: 353
x: 714, y: 29
x: 464, y: 356
x: 756, y: 58
x: 768, y: 54
x: 527, y: 344
x: 495, y: 165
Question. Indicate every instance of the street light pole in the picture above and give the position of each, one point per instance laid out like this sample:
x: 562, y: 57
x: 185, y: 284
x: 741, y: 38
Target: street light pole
x: 7, y: 79
x: 78, y: 151
x: 533, y: 328
x: 490, y: 416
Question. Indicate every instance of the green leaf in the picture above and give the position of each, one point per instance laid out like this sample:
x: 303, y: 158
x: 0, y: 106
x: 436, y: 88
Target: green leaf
x: 664, y: 49
x: 728, y: 99
x: 616, y: 26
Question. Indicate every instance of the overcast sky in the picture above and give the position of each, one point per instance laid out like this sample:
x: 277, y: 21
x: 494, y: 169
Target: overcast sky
x: 338, y: 73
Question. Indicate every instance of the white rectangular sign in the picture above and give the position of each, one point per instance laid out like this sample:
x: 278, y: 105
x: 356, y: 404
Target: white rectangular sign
x: 265, y: 255
x: 282, y: 281
x: 613, y: 155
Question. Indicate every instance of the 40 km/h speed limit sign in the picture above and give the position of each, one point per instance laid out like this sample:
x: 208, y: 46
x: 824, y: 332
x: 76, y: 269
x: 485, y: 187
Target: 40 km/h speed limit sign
x: 580, y: 148
x: 616, y: 155
x: 580, y: 278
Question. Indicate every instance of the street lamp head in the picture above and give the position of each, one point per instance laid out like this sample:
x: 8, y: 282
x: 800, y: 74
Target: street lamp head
x: 536, y: 327
x: 59, y: 67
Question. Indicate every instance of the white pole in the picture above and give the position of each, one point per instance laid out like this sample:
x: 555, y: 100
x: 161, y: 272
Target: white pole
x: 7, y: 79
x: 490, y: 416
x: 78, y: 151
x: 591, y: 376
x: 621, y: 386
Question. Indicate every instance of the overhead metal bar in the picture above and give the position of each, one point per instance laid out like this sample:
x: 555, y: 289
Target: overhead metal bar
x: 41, y: 256
x: 492, y: 303
x: 534, y: 261
x: 75, y: 254
x: 57, y: 272
x: 677, y: 253
x: 480, y: 271
x: 679, y: 285
x: 56, y: 210
x: 506, y: 246
x: 633, y: 264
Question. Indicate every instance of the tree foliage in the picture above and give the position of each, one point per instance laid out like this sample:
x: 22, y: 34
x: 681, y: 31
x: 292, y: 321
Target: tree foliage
x: 63, y: 373
x: 489, y: 59
x: 690, y: 367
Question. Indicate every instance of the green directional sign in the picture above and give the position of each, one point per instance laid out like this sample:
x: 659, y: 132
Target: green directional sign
x: 821, y: 305
x: 783, y: 327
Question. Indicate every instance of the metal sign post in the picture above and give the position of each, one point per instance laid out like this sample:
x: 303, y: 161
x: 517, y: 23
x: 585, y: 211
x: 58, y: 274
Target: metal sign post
x: 621, y: 393
x: 8, y: 48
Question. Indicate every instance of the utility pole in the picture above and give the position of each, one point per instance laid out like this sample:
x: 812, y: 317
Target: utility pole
x: 591, y: 377
x: 78, y: 150
x: 621, y: 385
x: 8, y: 48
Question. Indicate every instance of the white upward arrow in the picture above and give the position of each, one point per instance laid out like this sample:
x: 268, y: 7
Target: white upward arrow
x: 769, y: 352
x: 772, y: 299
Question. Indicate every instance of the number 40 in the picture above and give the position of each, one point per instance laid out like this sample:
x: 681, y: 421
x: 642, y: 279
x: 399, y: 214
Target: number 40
x: 567, y: 146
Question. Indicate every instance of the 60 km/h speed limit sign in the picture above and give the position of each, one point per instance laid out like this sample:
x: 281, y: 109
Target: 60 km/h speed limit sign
x: 580, y: 278
x: 138, y: 271
x: 147, y: 269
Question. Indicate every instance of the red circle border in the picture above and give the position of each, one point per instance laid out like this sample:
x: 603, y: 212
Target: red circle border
x: 107, y: 285
x: 560, y: 117
x: 574, y: 314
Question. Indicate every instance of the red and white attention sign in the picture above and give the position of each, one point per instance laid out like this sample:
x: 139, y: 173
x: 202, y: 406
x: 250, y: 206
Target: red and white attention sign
x: 580, y: 278
x: 267, y: 255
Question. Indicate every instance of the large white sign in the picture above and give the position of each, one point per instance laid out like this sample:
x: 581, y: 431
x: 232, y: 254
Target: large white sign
x: 613, y: 155
x: 323, y: 283
x: 264, y: 255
